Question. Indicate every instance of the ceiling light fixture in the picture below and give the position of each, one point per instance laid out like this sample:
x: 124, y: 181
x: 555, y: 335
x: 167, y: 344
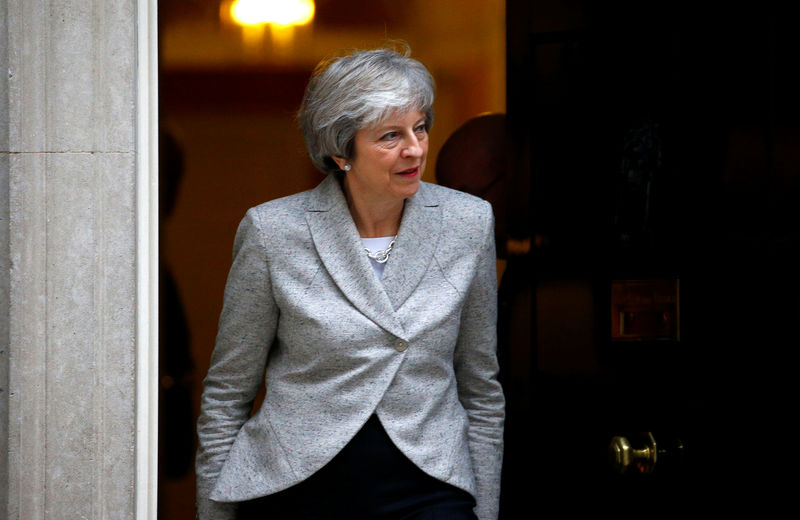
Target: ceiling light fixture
x: 282, y: 13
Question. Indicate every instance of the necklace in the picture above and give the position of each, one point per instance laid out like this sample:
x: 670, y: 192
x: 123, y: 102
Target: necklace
x: 381, y: 255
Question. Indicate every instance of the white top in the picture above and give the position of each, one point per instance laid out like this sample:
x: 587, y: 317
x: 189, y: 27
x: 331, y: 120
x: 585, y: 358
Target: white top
x: 375, y: 244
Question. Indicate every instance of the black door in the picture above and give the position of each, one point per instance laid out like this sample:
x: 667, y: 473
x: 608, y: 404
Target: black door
x: 663, y: 148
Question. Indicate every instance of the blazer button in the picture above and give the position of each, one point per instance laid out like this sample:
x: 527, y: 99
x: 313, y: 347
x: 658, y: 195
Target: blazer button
x: 400, y: 345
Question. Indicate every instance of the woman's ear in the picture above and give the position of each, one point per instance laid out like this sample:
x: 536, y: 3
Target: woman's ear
x: 340, y: 161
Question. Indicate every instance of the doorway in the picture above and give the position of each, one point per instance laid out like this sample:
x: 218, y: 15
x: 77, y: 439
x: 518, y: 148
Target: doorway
x: 229, y: 142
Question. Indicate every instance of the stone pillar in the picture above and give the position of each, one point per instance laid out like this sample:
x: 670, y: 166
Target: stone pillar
x: 68, y: 259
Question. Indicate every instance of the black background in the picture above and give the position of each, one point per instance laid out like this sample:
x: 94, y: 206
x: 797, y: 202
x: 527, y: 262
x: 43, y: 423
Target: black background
x: 721, y: 88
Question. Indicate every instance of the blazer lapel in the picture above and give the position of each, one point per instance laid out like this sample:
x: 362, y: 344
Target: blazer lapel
x: 416, y: 243
x: 338, y: 244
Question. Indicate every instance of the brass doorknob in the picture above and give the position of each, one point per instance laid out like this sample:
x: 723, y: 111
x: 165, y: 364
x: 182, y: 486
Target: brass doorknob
x: 640, y: 458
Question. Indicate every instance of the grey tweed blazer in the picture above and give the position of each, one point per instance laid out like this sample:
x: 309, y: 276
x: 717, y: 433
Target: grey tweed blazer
x: 305, y: 312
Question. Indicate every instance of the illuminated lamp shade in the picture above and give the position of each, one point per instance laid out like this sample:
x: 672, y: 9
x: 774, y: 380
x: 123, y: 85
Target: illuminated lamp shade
x: 283, y: 13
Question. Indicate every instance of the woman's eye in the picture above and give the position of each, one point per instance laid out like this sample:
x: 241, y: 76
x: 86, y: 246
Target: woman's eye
x: 390, y: 135
x: 421, y: 129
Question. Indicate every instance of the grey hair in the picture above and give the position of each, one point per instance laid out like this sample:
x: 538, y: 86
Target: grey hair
x: 359, y: 90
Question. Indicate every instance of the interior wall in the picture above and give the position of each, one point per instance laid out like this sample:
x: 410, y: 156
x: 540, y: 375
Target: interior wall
x: 230, y: 109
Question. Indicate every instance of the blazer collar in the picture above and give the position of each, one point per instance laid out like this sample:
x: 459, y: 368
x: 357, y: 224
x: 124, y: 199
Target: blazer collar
x: 339, y: 246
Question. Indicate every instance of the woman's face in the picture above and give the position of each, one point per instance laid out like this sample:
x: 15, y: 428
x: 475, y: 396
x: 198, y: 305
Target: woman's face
x: 388, y: 159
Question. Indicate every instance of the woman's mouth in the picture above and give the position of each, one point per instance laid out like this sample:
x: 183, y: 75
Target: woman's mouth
x: 411, y: 172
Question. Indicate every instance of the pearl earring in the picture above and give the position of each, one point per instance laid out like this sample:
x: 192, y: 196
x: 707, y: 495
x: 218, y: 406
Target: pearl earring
x: 347, y: 167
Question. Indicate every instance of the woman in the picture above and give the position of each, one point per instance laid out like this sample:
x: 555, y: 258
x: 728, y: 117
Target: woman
x: 368, y: 308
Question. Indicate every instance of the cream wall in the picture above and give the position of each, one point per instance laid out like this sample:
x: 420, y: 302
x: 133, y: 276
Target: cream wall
x: 69, y: 160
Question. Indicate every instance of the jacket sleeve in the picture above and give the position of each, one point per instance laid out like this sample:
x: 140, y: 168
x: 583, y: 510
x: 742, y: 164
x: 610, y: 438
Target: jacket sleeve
x: 247, y: 328
x: 476, y: 371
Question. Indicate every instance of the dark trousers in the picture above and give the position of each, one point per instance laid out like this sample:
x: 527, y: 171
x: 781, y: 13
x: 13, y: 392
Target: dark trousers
x: 370, y: 479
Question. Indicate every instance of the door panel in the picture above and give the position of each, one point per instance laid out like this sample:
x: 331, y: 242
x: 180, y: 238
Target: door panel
x: 662, y: 145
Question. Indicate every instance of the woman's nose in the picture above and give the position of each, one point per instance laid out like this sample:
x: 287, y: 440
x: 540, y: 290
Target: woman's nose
x: 412, y: 147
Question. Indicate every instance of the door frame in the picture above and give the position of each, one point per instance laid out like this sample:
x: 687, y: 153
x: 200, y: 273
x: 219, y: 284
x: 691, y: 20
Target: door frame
x: 146, y: 488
